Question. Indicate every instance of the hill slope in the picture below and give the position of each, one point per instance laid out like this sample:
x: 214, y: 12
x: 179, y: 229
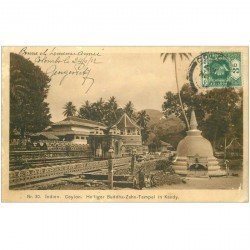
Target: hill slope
x: 171, y: 123
x: 155, y: 116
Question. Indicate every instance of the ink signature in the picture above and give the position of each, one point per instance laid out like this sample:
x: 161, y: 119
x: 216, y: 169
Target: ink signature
x: 77, y: 71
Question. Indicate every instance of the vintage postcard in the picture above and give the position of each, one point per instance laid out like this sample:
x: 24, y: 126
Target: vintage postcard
x: 125, y: 124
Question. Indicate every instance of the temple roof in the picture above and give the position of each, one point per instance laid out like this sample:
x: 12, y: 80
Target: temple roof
x: 73, y: 120
x: 46, y: 135
x: 67, y: 132
x: 125, y: 122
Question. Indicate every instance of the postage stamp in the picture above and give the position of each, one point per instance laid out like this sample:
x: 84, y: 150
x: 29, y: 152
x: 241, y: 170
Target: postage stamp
x: 221, y: 69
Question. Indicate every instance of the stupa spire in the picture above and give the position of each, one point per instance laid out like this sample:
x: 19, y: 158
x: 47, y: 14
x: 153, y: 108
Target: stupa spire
x: 193, y: 121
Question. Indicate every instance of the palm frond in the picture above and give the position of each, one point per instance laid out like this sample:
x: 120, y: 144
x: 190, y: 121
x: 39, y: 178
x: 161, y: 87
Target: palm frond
x: 173, y: 56
x: 165, y: 57
x: 185, y: 55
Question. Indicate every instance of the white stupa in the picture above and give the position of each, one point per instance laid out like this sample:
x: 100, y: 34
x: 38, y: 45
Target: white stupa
x: 195, y: 154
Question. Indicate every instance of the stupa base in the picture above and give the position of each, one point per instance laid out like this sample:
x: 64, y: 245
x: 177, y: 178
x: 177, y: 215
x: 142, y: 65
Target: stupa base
x: 205, y: 173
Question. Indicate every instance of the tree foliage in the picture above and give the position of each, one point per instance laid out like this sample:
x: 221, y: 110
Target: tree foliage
x: 129, y: 110
x: 109, y: 112
x: 69, y: 109
x: 142, y: 120
x: 170, y: 129
x: 28, y: 90
x: 218, y: 111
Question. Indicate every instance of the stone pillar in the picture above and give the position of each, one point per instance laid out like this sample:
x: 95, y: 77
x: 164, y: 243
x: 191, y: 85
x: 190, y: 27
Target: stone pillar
x: 133, y: 161
x: 111, y: 168
x: 99, y: 150
x: 120, y: 147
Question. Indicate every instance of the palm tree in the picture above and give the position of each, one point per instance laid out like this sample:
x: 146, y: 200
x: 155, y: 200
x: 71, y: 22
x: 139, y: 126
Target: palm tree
x: 110, y: 108
x: 129, y: 109
x: 174, y: 59
x: 142, y: 118
x: 69, y: 109
x: 86, y: 110
x: 112, y: 105
x: 98, y: 110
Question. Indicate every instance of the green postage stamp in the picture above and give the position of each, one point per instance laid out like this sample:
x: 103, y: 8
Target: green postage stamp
x: 221, y: 69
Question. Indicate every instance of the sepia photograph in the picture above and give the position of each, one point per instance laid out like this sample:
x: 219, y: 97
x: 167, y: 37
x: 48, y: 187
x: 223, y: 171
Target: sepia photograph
x: 124, y: 125
x: 126, y: 119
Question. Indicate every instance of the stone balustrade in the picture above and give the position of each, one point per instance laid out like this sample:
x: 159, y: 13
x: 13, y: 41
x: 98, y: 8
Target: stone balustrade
x: 20, y: 177
x: 44, y: 154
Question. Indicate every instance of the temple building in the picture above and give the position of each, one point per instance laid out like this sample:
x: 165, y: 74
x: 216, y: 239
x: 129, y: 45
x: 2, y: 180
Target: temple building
x: 75, y: 129
x: 123, y: 136
x: 195, y: 154
x: 129, y: 132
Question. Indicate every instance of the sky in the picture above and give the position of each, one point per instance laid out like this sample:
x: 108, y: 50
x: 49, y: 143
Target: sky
x: 129, y: 74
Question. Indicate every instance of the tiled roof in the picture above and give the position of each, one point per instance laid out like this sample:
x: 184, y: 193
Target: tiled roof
x: 73, y: 120
x: 47, y: 135
x: 125, y: 122
x: 68, y: 132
